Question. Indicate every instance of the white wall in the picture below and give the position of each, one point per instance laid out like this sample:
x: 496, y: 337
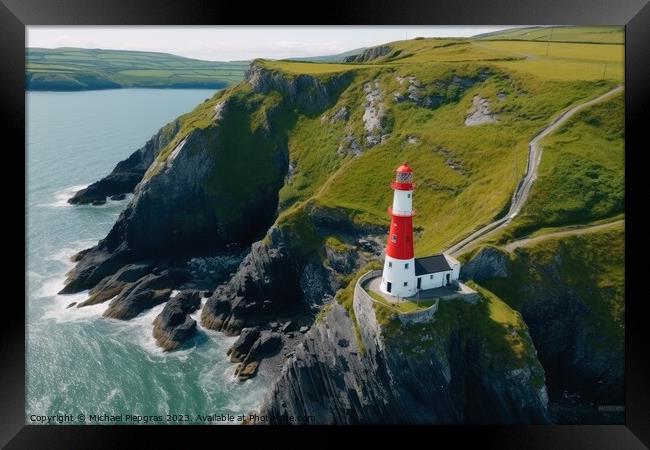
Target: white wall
x: 455, y: 266
x: 395, y: 273
x: 435, y: 280
x: 402, y: 202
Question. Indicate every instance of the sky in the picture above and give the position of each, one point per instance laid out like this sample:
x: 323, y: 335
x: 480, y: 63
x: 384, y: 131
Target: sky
x: 231, y: 43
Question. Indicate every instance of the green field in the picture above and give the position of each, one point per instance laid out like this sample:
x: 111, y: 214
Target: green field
x: 597, y: 34
x: 81, y: 69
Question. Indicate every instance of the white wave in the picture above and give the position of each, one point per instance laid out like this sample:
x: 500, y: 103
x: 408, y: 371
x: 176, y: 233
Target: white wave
x: 57, y: 307
x: 63, y: 255
x: 61, y: 197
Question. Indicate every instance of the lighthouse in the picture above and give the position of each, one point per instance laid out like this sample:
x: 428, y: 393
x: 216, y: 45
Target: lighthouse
x: 404, y: 275
x: 398, y: 276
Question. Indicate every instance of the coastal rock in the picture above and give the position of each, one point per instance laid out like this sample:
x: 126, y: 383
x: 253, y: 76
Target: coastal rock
x: 129, y: 172
x: 118, y: 197
x: 112, y: 285
x: 129, y: 306
x: 343, y: 260
x: 172, y: 212
x: 439, y: 92
x: 149, y: 291
x: 267, y: 282
x: 174, y: 326
x: 341, y: 115
x: 332, y: 380
x: 268, y: 344
x: 243, y: 344
x: 349, y: 146
x: 579, y: 358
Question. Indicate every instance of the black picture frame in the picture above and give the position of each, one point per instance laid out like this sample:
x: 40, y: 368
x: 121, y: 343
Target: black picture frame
x: 15, y: 15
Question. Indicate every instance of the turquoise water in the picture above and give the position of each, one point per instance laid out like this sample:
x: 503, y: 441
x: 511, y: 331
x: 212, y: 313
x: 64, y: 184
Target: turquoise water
x: 77, y: 361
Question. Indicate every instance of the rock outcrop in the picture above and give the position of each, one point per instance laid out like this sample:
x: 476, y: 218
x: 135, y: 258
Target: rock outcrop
x: 276, y: 277
x: 488, y: 262
x: 311, y: 94
x: 452, y: 378
x: 435, y: 94
x: 174, y: 326
x: 129, y: 172
x: 147, y: 292
x: 375, y: 116
x: 578, y: 356
x: 370, y: 54
x: 480, y: 112
x: 267, y: 344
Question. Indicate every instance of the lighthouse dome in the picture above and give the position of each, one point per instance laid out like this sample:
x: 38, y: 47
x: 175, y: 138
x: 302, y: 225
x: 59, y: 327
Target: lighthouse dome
x: 404, y: 168
x: 403, y: 177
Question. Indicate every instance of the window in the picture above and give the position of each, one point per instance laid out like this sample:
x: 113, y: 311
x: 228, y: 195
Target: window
x: 406, y: 266
x: 393, y: 238
x: 390, y: 264
x: 408, y: 195
x: 406, y: 283
x: 431, y: 277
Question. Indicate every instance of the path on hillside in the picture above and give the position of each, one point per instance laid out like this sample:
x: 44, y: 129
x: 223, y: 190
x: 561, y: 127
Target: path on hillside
x: 523, y: 188
x: 567, y: 232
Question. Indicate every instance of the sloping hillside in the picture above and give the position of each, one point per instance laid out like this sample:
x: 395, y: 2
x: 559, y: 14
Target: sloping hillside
x: 72, y: 69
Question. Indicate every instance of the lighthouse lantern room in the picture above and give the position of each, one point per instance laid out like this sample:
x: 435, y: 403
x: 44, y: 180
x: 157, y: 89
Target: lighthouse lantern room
x: 403, y: 274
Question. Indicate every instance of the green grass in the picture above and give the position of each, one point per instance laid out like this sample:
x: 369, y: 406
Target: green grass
x: 589, y: 34
x: 581, y: 175
x: 564, y: 61
x: 491, y: 322
x: 301, y: 67
x: 403, y: 306
x: 591, y: 266
x: 335, y: 244
x: 80, y: 69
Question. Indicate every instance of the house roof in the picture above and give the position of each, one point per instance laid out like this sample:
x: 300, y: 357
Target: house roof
x: 431, y: 264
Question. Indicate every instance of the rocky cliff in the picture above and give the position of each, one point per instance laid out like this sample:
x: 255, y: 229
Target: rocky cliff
x: 127, y: 173
x: 440, y: 372
x: 199, y: 194
x: 576, y: 327
x: 211, y: 185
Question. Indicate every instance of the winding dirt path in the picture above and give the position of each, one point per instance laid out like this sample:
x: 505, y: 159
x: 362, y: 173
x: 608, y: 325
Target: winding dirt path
x: 563, y: 233
x: 523, y: 188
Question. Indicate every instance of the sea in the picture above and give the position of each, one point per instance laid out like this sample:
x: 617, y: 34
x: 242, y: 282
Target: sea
x: 81, y: 367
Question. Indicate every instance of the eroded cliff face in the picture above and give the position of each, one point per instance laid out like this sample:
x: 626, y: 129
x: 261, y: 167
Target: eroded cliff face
x: 127, y: 173
x: 571, y: 326
x: 276, y: 278
x: 309, y: 94
x: 436, y: 373
x: 214, y: 187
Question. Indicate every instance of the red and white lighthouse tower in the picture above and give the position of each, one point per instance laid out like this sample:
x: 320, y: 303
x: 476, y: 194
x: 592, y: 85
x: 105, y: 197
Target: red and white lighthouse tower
x: 398, y: 277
